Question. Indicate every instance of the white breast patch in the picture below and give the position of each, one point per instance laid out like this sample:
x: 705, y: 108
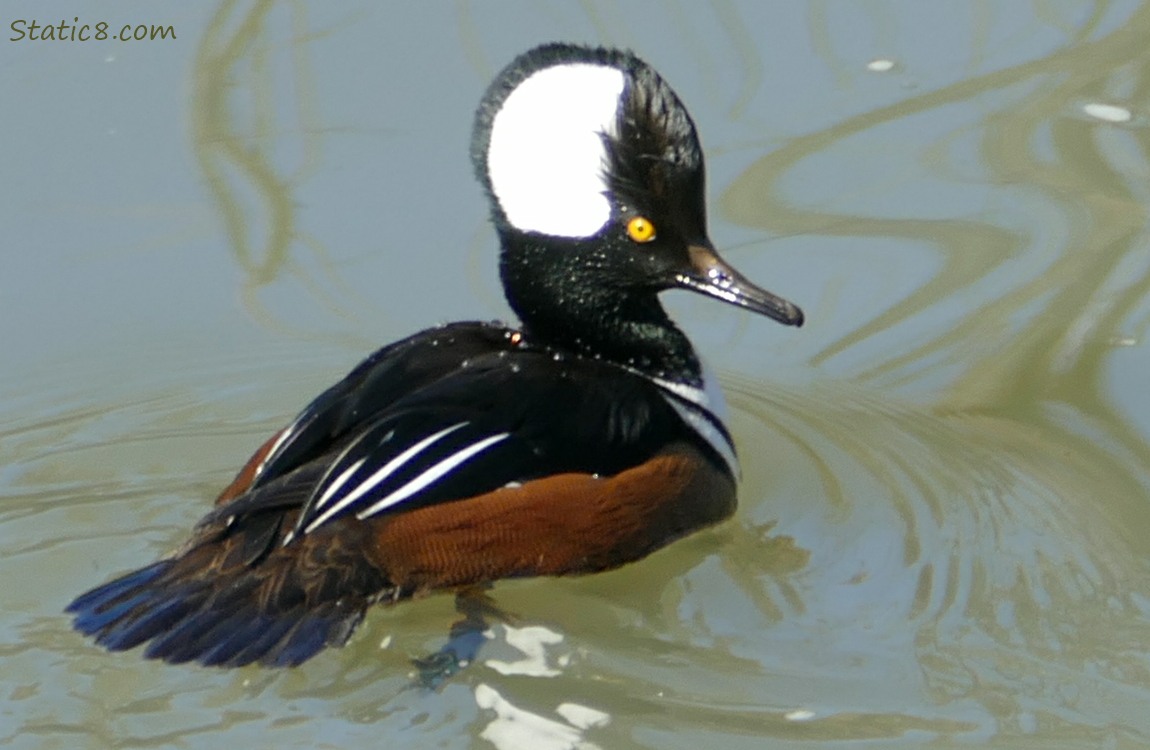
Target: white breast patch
x: 705, y: 403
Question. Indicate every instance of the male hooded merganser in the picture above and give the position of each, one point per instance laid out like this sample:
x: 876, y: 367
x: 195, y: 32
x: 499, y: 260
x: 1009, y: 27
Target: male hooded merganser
x: 586, y: 438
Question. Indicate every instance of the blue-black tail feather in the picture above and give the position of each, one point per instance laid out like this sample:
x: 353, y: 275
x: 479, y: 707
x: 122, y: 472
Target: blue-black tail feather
x: 101, y: 611
x: 214, y: 622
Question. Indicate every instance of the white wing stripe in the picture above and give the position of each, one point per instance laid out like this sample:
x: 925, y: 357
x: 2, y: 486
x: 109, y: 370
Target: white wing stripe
x: 279, y: 443
x: 432, y: 474
x: 365, y: 486
x: 339, y: 482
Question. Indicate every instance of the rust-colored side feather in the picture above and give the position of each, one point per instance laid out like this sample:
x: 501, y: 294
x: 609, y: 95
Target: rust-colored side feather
x: 245, y: 477
x: 569, y: 523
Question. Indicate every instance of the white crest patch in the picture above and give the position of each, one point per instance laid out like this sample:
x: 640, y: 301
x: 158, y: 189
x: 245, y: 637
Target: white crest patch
x: 546, y: 158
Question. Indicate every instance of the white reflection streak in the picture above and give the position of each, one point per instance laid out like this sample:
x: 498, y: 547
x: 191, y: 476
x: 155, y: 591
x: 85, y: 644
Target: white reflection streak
x: 1107, y: 112
x: 514, y: 728
x: 1127, y: 273
x: 532, y: 641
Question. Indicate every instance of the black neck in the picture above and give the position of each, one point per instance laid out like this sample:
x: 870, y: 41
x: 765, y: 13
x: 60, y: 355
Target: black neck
x: 563, y: 306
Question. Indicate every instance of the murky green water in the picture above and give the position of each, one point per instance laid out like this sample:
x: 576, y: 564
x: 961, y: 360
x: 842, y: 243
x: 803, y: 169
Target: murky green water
x: 942, y: 536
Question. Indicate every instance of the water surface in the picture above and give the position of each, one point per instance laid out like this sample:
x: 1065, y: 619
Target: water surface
x: 941, y: 536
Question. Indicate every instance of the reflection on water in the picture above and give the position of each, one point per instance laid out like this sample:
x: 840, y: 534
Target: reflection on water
x: 999, y: 522
x: 256, y: 135
x: 942, y: 529
x: 1002, y: 559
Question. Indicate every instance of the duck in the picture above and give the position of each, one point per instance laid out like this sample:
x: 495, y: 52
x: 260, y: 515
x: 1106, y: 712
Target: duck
x: 584, y: 437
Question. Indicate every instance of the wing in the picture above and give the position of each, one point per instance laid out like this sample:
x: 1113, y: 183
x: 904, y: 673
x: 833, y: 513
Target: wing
x: 357, y: 400
x: 414, y: 457
x: 487, y: 426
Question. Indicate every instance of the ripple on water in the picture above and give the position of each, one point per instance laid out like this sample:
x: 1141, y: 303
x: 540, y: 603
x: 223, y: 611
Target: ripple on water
x: 990, y: 566
x: 984, y: 572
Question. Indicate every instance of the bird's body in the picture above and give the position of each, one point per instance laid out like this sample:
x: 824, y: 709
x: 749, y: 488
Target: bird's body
x: 581, y: 440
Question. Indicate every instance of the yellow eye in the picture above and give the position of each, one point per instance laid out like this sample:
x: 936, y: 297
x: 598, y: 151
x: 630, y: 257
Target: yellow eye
x: 640, y: 229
